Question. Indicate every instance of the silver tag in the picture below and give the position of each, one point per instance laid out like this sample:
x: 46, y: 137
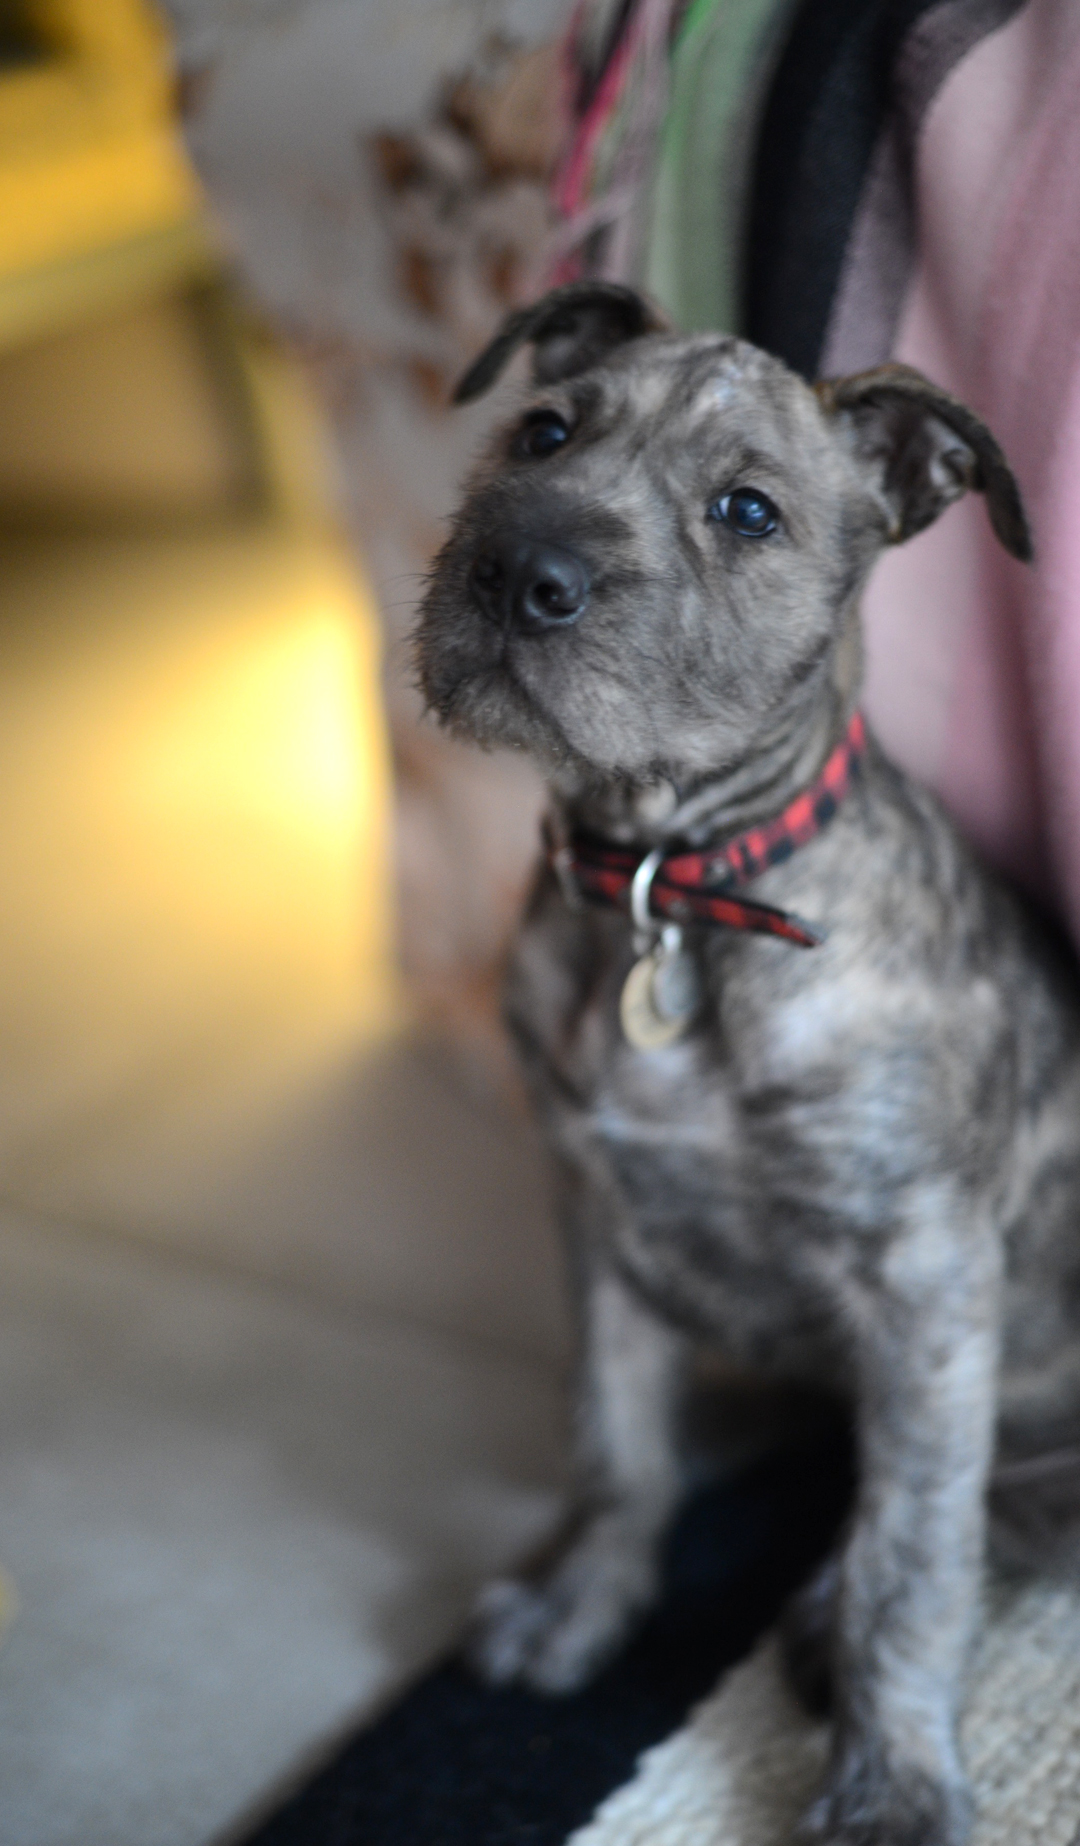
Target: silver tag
x: 660, y: 995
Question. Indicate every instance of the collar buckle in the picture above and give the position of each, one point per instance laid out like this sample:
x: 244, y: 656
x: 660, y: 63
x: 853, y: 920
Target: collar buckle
x: 645, y: 924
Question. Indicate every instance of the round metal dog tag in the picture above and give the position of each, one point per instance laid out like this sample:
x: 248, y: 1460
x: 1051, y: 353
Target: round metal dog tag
x: 660, y: 995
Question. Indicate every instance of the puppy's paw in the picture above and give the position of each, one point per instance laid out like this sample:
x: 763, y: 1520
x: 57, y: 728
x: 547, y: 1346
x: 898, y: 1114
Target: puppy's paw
x: 553, y: 1636
x: 509, y: 1621
x: 904, y: 1808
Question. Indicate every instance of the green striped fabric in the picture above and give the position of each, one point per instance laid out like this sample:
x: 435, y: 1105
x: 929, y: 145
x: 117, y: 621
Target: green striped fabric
x: 720, y: 68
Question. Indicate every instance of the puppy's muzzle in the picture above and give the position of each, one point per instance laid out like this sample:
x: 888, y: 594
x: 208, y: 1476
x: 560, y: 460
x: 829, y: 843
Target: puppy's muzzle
x: 527, y: 584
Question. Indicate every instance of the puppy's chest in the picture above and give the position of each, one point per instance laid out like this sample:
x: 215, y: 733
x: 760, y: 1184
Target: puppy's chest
x: 702, y: 1223
x: 700, y: 1212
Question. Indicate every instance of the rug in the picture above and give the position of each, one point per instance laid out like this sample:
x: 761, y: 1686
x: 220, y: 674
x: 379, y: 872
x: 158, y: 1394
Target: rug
x: 636, y: 1760
x: 742, y: 1770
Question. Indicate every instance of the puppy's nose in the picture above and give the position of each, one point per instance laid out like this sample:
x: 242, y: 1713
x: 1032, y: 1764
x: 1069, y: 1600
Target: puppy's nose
x: 530, y: 584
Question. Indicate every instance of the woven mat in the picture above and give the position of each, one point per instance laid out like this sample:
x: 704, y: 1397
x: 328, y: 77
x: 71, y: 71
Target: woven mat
x: 747, y: 1763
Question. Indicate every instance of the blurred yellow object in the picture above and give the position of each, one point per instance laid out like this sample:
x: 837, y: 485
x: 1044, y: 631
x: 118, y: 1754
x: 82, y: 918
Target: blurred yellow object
x: 194, y: 788
x: 193, y: 773
x: 96, y: 195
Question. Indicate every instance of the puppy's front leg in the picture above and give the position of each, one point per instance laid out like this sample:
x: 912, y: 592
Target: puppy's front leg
x: 553, y: 1633
x: 909, y: 1577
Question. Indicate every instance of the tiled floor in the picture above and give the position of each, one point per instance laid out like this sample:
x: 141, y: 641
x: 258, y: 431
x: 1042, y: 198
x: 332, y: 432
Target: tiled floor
x: 236, y: 1516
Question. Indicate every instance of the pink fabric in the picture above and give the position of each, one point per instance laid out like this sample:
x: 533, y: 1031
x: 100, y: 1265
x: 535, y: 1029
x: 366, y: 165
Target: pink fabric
x: 601, y: 179
x: 974, y: 660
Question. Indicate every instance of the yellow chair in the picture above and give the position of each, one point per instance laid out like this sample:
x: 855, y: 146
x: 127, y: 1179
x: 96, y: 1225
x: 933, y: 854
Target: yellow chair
x: 193, y: 774
x: 96, y: 197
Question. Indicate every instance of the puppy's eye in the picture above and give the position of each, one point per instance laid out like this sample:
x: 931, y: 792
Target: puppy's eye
x: 747, y: 511
x: 543, y: 433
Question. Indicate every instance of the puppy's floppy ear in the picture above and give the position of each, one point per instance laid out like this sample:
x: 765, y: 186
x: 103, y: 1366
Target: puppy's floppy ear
x: 570, y: 329
x: 926, y: 449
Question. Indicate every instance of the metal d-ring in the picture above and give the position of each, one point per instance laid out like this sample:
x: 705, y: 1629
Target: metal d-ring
x: 646, y: 926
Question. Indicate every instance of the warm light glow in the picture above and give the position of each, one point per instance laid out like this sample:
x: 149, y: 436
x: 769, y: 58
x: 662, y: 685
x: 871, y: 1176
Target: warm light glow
x: 193, y: 827
x: 268, y: 722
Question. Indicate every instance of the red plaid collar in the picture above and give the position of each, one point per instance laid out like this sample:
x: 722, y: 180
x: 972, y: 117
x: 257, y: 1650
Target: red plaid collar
x: 697, y: 887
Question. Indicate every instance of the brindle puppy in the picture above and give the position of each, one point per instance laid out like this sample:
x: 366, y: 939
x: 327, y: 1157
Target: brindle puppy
x: 861, y: 1166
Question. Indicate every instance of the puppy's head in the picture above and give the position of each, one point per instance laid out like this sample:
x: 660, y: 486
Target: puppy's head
x: 658, y: 558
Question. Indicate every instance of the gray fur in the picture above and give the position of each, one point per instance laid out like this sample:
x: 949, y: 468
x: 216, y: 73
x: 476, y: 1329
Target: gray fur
x: 861, y: 1168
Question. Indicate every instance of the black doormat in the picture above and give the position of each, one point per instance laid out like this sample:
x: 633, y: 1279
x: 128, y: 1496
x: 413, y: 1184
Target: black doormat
x: 454, y: 1764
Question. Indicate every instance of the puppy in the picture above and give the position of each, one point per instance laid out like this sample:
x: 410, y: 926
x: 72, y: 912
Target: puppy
x: 809, y: 1075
